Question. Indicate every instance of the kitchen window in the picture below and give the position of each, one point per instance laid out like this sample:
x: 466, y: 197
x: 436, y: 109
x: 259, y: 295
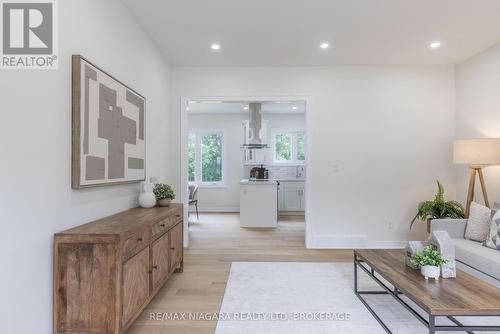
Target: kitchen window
x: 289, y: 146
x: 206, y: 157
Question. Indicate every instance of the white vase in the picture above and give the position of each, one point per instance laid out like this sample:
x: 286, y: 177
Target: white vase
x: 147, y: 199
x: 430, y: 272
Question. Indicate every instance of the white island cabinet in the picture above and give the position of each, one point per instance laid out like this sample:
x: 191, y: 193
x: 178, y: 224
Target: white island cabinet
x: 259, y: 204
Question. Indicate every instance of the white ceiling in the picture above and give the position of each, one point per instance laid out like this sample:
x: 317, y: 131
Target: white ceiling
x: 220, y: 107
x: 288, y: 32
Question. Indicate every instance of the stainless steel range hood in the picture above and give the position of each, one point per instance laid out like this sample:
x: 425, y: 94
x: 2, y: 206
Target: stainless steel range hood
x: 253, y: 139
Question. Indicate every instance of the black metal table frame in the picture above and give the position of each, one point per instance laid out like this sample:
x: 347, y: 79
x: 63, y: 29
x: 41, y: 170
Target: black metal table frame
x: 430, y: 324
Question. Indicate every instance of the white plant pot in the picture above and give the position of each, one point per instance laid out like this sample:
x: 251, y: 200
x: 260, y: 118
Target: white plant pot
x: 430, y: 272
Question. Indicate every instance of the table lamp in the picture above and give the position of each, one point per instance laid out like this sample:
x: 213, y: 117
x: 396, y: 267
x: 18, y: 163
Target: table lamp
x: 476, y: 153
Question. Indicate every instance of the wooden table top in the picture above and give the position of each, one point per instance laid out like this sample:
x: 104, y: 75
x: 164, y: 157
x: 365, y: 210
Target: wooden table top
x: 121, y: 223
x: 463, y: 295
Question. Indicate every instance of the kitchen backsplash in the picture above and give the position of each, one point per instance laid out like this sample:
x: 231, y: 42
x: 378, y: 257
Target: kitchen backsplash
x: 281, y: 172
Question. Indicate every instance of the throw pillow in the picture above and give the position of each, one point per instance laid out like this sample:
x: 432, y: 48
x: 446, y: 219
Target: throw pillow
x: 494, y: 209
x: 493, y: 240
x: 478, y: 225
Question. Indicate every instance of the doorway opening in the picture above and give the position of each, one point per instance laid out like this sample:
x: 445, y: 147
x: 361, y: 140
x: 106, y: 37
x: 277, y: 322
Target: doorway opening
x: 244, y: 167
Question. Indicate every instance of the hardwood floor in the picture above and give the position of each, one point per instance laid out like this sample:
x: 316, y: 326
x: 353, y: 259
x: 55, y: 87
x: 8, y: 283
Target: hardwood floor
x: 216, y: 241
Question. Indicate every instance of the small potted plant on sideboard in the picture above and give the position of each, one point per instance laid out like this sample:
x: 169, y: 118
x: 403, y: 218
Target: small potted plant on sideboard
x: 164, y: 194
x: 430, y: 262
x: 438, y: 209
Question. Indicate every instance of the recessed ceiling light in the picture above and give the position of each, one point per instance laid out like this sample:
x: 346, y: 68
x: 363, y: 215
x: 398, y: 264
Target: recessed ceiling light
x: 435, y: 44
x: 324, y: 45
x: 246, y: 108
x: 294, y: 107
x: 215, y: 46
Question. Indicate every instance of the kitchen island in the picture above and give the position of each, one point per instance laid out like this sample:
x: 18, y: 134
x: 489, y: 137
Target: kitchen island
x: 259, y: 203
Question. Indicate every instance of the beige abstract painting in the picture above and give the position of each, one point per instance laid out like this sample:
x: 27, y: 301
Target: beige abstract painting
x: 108, y: 129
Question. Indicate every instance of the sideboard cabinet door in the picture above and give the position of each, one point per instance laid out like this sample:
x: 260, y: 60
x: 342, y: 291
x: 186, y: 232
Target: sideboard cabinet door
x: 135, y: 284
x: 176, y: 245
x: 161, y: 260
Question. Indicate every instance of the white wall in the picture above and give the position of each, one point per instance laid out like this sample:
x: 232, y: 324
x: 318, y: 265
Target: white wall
x: 478, y: 114
x: 36, y: 199
x: 389, y: 130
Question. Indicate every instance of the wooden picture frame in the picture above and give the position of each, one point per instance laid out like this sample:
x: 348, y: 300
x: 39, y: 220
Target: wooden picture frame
x: 108, y: 128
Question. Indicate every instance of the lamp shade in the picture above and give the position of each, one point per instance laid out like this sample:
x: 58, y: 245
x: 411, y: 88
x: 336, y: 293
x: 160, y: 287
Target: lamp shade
x: 476, y: 151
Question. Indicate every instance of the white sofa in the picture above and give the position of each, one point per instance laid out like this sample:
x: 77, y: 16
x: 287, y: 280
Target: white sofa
x: 471, y: 256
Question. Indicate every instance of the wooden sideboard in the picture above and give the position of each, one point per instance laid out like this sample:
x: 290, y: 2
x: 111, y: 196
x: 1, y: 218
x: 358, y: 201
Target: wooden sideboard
x: 107, y: 271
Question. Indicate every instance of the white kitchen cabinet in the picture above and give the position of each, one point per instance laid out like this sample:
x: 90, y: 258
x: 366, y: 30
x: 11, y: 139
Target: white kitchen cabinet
x: 291, y: 196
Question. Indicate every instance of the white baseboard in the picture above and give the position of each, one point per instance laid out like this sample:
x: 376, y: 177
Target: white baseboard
x: 215, y: 209
x: 350, y: 241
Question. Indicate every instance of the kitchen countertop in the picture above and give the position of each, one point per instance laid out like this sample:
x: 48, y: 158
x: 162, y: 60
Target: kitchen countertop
x: 291, y: 180
x: 268, y: 181
x: 259, y: 182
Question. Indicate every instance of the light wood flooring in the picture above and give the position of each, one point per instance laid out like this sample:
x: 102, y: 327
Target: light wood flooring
x: 216, y: 240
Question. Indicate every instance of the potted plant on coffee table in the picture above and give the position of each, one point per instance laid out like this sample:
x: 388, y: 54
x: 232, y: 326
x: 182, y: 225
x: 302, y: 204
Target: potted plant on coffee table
x: 438, y: 209
x: 164, y: 194
x: 430, y: 262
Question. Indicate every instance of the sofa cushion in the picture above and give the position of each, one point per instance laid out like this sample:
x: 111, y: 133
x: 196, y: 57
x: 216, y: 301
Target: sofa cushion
x: 493, y: 240
x: 478, y: 225
x: 475, y: 255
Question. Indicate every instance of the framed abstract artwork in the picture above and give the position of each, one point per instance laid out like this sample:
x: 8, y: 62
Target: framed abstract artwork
x: 109, y: 129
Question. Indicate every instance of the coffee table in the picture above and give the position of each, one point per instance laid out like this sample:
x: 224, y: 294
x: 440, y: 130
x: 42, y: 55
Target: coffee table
x: 464, y: 295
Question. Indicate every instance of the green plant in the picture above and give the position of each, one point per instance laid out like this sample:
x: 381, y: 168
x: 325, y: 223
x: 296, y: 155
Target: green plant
x: 162, y: 191
x: 428, y: 257
x: 438, y: 208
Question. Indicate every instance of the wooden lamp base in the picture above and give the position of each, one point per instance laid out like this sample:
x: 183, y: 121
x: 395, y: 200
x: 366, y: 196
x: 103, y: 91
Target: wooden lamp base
x: 472, y: 182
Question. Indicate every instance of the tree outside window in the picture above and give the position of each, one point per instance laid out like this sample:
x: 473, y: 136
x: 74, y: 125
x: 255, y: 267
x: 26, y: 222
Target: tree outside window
x: 301, y: 146
x: 289, y: 146
x: 205, y: 157
x: 191, y: 157
x: 211, y: 157
x: 283, y: 147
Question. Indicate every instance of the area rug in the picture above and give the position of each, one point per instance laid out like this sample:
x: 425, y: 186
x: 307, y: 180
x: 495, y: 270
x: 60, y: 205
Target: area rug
x: 289, y: 297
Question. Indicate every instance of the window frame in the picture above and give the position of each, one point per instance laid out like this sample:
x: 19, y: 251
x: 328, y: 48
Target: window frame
x: 199, y: 133
x: 294, y: 145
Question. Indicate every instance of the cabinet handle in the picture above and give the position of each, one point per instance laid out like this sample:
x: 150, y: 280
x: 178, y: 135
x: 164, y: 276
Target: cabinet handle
x: 177, y: 216
x: 162, y: 225
x: 139, y: 239
x: 172, y: 248
x: 155, y: 267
